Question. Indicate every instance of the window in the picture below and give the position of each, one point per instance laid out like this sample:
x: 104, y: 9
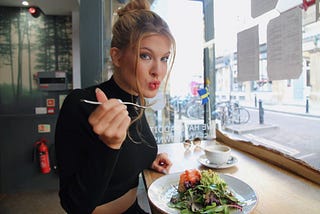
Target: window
x: 285, y: 113
x: 182, y: 118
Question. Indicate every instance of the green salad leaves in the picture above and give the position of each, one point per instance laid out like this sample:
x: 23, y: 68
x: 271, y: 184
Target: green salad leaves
x: 210, y: 195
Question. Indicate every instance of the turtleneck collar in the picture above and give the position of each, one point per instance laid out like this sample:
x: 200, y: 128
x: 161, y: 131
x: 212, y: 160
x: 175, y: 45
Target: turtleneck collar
x: 111, y: 87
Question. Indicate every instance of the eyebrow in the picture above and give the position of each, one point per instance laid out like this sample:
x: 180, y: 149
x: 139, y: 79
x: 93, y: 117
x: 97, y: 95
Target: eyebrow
x: 146, y: 48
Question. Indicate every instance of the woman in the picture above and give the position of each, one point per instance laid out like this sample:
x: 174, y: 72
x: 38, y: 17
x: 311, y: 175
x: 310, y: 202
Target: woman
x: 101, y: 150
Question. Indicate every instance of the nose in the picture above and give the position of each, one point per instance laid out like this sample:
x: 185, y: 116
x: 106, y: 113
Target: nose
x: 157, y: 69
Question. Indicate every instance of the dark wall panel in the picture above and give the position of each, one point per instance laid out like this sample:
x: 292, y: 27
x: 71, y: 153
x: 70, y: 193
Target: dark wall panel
x: 18, y: 172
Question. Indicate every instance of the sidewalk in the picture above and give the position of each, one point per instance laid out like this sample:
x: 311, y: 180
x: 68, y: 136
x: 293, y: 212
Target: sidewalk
x: 300, y: 140
x: 296, y: 109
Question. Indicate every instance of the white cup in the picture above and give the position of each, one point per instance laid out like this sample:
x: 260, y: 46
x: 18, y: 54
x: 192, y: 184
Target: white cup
x: 217, y: 154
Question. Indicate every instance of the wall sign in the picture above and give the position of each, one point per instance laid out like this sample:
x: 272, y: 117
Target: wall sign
x: 51, y: 102
x: 44, y: 128
x: 50, y: 110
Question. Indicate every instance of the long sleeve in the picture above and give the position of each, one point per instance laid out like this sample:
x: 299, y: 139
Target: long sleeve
x: 90, y: 172
x: 85, y: 164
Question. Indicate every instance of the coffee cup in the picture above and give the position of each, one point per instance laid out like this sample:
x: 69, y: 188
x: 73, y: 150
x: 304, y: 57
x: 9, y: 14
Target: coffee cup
x: 217, y: 154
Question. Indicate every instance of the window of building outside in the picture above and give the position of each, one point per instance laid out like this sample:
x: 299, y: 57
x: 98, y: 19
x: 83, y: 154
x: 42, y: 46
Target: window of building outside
x: 281, y: 115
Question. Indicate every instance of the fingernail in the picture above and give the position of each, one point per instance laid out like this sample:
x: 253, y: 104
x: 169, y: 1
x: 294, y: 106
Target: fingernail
x: 120, y: 101
x: 97, y: 90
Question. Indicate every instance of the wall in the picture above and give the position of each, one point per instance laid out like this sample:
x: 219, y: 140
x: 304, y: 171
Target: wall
x: 92, y: 53
x: 29, y: 45
x: 18, y: 171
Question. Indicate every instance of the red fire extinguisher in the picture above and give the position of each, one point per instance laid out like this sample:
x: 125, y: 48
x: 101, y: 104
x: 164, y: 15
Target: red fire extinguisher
x: 41, y: 149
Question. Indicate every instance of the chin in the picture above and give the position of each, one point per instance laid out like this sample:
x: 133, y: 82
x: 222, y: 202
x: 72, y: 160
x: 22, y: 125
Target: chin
x: 150, y: 94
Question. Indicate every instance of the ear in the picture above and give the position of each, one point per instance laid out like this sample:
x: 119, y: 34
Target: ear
x: 115, y: 56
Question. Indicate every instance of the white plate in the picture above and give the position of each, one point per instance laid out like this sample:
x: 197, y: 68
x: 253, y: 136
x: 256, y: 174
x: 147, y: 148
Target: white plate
x: 231, y: 162
x: 162, y: 189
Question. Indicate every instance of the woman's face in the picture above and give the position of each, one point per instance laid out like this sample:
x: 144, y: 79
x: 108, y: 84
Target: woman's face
x: 151, y: 69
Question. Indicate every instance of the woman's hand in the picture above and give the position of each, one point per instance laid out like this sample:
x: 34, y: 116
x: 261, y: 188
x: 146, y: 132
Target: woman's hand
x: 162, y: 163
x: 110, y: 120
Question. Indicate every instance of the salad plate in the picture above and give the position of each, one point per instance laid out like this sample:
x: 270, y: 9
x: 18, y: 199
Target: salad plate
x: 231, y: 162
x: 162, y: 189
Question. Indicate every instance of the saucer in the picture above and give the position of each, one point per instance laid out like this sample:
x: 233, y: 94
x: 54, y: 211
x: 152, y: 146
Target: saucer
x: 231, y: 162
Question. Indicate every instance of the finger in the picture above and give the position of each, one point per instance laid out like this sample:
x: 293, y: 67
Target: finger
x: 165, y: 163
x: 114, y: 135
x: 165, y: 168
x: 100, y: 95
x: 168, y: 167
x: 108, y: 116
x: 97, y: 115
x: 118, y: 125
x: 165, y: 171
x: 107, y: 108
x: 161, y: 168
x: 163, y: 157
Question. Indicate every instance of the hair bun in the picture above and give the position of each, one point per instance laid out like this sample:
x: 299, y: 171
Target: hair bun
x: 134, y: 5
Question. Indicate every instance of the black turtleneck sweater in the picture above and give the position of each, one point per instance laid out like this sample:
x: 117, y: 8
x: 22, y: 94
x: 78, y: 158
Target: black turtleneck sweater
x: 90, y: 172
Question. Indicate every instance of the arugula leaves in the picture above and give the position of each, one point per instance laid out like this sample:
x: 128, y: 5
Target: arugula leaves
x: 210, y: 196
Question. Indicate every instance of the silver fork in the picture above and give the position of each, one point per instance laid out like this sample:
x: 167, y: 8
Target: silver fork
x: 125, y: 103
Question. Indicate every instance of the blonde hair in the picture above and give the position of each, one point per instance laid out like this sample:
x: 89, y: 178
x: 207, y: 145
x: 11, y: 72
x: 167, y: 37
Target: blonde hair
x: 136, y: 21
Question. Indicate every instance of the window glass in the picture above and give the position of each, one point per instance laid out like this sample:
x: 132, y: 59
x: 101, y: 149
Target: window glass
x: 280, y: 114
x: 283, y: 113
x: 182, y: 116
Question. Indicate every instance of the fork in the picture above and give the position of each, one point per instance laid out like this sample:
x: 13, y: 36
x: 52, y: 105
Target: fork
x: 125, y: 103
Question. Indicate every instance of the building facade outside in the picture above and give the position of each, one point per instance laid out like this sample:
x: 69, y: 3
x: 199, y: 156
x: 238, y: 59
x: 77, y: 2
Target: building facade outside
x: 305, y: 89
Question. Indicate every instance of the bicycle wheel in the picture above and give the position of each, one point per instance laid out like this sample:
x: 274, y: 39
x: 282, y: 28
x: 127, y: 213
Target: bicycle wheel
x: 240, y: 115
x: 195, y: 111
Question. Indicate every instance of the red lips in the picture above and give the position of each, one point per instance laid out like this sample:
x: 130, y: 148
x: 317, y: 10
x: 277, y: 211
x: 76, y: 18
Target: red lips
x: 154, y: 85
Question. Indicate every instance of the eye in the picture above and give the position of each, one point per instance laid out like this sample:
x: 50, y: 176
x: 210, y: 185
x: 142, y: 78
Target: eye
x: 145, y: 56
x: 165, y: 59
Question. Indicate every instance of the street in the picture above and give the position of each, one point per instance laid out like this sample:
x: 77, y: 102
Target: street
x: 295, y: 135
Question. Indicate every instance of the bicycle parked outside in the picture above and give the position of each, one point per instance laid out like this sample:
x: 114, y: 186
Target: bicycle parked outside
x: 229, y: 112
x: 189, y: 106
x: 194, y: 109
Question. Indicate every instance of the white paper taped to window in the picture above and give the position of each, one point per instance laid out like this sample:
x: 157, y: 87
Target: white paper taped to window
x: 259, y: 7
x: 248, y: 54
x: 284, y: 46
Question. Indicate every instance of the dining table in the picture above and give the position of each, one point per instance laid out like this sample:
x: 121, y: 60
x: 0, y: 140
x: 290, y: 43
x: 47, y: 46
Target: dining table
x: 276, y: 189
